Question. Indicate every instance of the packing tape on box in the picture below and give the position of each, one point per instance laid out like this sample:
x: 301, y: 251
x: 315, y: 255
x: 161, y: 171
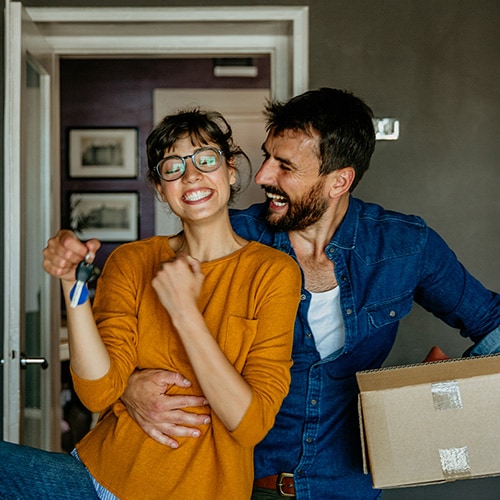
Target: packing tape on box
x: 446, y: 395
x: 455, y: 462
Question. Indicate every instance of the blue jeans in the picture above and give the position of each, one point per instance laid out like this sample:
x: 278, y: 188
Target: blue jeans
x: 29, y: 473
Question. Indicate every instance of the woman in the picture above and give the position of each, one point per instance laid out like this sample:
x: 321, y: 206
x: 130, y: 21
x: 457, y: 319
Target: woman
x: 205, y: 303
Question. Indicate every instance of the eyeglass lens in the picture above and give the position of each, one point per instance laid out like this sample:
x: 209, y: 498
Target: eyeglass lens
x: 204, y: 159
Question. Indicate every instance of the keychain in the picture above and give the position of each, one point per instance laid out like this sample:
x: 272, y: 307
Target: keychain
x: 80, y: 293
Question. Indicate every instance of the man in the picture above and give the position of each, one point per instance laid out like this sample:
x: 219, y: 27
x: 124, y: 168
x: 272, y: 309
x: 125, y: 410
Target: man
x: 363, y: 267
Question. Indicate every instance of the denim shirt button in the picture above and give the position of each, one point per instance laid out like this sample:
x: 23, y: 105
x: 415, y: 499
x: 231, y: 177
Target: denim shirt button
x: 302, y: 296
x: 313, y: 401
x: 392, y: 314
x: 348, y: 311
x: 309, y: 440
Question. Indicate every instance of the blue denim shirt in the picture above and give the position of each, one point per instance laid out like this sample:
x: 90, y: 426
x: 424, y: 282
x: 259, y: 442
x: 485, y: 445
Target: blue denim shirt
x: 384, y: 261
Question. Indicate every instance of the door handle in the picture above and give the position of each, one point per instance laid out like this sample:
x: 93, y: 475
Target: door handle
x: 25, y: 361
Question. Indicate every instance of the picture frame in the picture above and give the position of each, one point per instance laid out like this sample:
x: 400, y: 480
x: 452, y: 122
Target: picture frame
x: 103, y: 152
x: 109, y: 217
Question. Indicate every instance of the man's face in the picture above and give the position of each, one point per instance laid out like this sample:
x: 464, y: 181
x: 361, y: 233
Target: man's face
x: 290, y: 177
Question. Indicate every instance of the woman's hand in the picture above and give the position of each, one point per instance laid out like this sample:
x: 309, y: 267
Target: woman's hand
x: 178, y: 284
x: 64, y: 252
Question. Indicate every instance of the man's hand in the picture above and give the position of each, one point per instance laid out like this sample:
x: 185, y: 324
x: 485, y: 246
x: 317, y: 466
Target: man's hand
x: 161, y: 416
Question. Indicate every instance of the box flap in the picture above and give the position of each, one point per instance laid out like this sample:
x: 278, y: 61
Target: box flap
x: 362, y: 436
x: 401, y: 376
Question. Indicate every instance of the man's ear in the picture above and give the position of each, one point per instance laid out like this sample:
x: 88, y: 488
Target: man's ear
x: 342, y: 181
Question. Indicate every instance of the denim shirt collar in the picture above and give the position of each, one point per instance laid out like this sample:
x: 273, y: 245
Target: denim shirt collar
x: 344, y: 237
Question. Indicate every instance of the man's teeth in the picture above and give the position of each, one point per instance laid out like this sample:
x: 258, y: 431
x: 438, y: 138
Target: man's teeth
x: 278, y: 200
x: 196, y: 195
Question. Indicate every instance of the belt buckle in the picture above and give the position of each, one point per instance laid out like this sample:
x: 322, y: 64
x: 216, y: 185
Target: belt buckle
x: 279, y: 484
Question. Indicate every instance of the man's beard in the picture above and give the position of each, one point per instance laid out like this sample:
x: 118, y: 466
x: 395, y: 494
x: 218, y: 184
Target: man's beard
x: 302, y: 213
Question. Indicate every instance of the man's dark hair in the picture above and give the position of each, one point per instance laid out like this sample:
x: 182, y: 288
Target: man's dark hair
x: 343, y: 122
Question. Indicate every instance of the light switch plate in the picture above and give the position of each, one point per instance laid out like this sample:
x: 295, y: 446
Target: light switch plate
x: 386, y: 129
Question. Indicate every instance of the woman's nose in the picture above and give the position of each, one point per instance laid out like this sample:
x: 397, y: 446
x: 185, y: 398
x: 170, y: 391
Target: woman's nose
x: 191, y: 173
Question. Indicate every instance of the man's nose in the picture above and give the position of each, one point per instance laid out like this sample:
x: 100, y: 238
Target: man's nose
x: 265, y: 174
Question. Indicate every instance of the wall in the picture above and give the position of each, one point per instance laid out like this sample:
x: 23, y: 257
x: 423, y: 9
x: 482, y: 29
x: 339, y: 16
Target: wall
x: 435, y: 66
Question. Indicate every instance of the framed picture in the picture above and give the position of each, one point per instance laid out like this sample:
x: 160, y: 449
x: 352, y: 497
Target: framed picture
x: 105, y: 216
x: 103, y: 152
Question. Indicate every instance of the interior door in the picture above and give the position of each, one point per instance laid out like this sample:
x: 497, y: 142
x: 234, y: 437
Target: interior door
x: 31, y: 364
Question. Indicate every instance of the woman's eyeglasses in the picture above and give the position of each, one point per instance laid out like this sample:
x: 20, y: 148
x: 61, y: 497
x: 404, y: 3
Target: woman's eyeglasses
x: 206, y: 159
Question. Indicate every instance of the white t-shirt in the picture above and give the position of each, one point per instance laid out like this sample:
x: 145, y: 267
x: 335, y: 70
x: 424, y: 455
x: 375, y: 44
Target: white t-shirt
x: 326, y: 322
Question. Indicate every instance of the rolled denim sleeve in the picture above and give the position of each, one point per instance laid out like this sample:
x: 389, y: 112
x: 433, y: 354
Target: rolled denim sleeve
x: 489, y: 344
x: 451, y: 293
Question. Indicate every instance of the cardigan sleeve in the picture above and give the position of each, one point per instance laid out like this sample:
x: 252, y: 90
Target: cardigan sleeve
x: 267, y: 367
x: 115, y: 312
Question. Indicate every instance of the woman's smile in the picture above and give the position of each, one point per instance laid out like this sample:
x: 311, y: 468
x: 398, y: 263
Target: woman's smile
x: 197, y: 195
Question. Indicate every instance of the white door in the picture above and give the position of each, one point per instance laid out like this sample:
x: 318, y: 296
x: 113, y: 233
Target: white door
x: 31, y: 392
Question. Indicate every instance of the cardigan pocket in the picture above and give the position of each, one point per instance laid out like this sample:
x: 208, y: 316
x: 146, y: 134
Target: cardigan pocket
x: 238, y: 339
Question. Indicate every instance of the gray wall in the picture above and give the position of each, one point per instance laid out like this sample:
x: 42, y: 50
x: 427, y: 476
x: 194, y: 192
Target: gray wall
x: 434, y: 65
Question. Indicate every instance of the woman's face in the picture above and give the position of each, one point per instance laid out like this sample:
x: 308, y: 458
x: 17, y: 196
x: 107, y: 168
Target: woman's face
x: 197, y: 195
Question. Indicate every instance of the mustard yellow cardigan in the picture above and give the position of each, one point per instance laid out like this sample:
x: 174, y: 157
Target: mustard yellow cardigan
x: 249, y: 301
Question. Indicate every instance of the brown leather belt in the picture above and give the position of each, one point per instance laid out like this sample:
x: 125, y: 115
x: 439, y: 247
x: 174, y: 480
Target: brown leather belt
x: 282, y: 483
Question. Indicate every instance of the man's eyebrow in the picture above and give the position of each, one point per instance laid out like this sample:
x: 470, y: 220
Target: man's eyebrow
x: 284, y: 161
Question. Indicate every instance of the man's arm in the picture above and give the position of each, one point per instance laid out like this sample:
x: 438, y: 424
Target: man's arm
x: 160, y: 416
x: 489, y: 344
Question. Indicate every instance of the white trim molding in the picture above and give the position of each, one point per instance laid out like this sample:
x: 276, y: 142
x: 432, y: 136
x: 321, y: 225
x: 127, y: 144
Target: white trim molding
x: 281, y: 32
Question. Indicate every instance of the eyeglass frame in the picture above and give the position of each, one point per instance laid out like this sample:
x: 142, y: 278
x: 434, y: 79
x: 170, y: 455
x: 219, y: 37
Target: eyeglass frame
x: 184, y: 158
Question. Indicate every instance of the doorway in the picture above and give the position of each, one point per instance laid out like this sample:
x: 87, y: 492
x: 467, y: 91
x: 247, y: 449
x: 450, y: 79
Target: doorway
x: 279, y: 32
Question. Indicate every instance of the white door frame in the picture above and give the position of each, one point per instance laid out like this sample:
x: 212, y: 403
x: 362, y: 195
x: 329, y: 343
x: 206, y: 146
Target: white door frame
x: 22, y: 44
x: 281, y: 32
x: 155, y: 32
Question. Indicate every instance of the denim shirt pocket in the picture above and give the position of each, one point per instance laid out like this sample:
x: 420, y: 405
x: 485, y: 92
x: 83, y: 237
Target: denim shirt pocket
x: 390, y: 311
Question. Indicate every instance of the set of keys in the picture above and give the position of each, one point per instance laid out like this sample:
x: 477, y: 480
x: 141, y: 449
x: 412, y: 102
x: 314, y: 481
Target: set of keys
x: 84, y: 273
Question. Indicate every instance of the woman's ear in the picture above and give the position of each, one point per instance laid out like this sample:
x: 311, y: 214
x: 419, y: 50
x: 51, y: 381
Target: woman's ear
x: 159, y: 191
x: 342, y: 181
x: 232, y: 171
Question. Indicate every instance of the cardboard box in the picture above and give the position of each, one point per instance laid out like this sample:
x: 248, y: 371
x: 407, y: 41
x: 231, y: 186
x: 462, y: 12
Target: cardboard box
x: 432, y: 422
